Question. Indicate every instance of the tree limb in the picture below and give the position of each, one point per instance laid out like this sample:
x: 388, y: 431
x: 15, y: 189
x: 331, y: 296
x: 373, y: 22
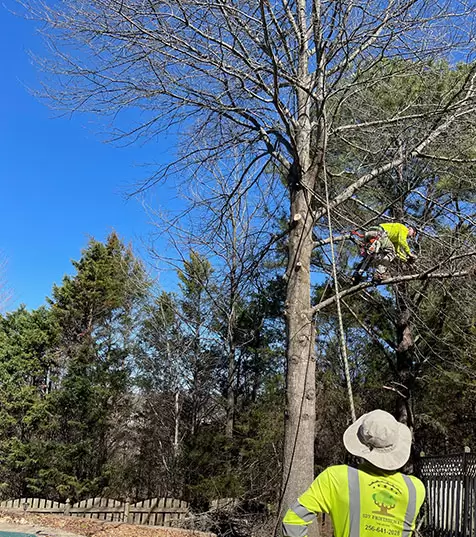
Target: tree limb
x: 391, y: 281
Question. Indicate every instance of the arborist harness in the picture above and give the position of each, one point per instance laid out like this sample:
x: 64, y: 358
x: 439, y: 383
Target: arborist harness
x: 369, y: 244
x: 369, y: 241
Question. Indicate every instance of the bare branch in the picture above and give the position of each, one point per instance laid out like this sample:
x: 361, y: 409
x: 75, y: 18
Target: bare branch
x: 391, y: 281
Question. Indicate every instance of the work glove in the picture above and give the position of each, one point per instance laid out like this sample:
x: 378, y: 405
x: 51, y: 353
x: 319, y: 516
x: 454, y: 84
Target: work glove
x: 411, y: 259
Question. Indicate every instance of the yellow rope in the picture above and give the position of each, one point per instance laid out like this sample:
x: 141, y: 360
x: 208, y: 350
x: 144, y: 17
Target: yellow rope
x: 342, y: 342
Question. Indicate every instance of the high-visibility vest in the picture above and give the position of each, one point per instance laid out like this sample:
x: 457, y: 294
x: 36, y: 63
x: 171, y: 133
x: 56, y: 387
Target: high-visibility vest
x: 398, y: 234
x: 364, y: 502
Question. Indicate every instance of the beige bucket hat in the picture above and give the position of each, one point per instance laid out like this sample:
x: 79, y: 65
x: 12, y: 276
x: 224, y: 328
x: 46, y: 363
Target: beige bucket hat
x: 380, y: 439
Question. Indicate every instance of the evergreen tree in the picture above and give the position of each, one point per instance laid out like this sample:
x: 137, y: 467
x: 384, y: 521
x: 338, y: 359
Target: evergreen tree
x: 96, y: 311
x: 28, y: 374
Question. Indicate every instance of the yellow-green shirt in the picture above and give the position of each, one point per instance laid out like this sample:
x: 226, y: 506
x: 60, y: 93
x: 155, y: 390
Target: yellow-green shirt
x: 367, y: 502
x: 398, y: 235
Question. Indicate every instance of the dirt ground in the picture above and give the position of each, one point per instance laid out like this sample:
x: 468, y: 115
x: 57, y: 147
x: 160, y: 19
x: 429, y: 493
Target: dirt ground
x: 60, y: 526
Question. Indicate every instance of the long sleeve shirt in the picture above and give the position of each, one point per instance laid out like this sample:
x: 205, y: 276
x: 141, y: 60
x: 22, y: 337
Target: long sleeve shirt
x: 398, y: 236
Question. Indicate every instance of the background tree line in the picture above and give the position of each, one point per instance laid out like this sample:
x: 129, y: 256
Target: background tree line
x: 116, y: 388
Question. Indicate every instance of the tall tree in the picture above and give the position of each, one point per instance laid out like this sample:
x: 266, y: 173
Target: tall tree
x: 201, y: 357
x: 178, y: 367
x: 432, y: 193
x: 96, y: 311
x: 272, y: 80
x: 28, y: 368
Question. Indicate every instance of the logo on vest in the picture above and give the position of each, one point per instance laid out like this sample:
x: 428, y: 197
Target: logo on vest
x: 385, y: 497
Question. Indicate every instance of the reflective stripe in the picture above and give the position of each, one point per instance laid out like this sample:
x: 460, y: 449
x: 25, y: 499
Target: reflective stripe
x: 354, y: 502
x: 293, y: 530
x: 303, y: 513
x: 411, y: 507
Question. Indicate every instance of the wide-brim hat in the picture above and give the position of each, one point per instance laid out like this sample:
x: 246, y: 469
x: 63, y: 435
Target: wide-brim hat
x: 380, y: 439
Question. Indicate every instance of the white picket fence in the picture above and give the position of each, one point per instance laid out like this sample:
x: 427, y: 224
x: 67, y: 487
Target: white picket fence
x: 153, y: 512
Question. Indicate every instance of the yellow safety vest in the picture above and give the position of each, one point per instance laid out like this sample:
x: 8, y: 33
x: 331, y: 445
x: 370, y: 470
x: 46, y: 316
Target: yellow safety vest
x: 398, y: 235
x: 367, y: 502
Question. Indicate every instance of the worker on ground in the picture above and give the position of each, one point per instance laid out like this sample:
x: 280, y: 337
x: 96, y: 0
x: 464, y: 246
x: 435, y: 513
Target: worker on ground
x: 372, y: 500
x: 386, y: 242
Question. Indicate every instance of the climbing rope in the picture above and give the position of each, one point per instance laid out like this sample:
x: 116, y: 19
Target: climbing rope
x: 342, y: 342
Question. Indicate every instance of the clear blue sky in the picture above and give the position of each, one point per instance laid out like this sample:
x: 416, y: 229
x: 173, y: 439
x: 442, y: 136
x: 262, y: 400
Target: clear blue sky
x: 60, y: 184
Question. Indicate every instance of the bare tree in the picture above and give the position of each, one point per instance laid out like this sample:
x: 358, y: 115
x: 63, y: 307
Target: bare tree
x: 230, y: 224
x: 277, y: 82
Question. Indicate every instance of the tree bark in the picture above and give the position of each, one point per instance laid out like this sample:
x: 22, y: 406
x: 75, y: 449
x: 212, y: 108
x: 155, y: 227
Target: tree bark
x: 404, y: 355
x: 231, y: 387
x: 301, y: 363
x: 300, y: 419
x: 404, y: 340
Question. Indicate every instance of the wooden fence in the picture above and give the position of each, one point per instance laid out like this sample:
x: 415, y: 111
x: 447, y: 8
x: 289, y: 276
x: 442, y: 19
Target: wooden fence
x: 225, y: 504
x: 154, y: 512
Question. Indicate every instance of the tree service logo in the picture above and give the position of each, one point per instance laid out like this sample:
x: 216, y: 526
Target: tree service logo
x: 385, y: 497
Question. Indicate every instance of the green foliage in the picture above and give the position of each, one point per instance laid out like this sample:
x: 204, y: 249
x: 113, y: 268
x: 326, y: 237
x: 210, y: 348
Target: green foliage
x: 246, y: 465
x: 182, y: 372
x: 95, y: 310
x: 65, y: 374
x: 27, y: 366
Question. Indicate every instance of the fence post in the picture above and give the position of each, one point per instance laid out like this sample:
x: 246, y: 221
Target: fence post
x: 67, y: 507
x: 127, y: 511
x: 465, y: 490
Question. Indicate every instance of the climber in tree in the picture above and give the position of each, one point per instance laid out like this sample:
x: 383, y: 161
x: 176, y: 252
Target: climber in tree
x: 386, y: 242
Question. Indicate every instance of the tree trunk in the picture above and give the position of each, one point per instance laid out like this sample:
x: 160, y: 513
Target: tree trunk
x: 300, y: 419
x: 301, y: 362
x: 404, y: 356
x: 404, y: 340
x: 231, y: 386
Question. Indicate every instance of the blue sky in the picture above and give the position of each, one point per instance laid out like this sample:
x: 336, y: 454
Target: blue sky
x: 60, y: 184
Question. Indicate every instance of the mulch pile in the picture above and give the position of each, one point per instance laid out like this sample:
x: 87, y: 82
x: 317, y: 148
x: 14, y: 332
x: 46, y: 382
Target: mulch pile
x: 86, y: 527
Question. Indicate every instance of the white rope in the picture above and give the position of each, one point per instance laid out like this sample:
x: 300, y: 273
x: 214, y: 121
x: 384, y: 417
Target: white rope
x: 343, y: 346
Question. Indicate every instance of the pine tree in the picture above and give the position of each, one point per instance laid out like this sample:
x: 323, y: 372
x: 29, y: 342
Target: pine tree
x: 28, y: 369
x: 96, y: 311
